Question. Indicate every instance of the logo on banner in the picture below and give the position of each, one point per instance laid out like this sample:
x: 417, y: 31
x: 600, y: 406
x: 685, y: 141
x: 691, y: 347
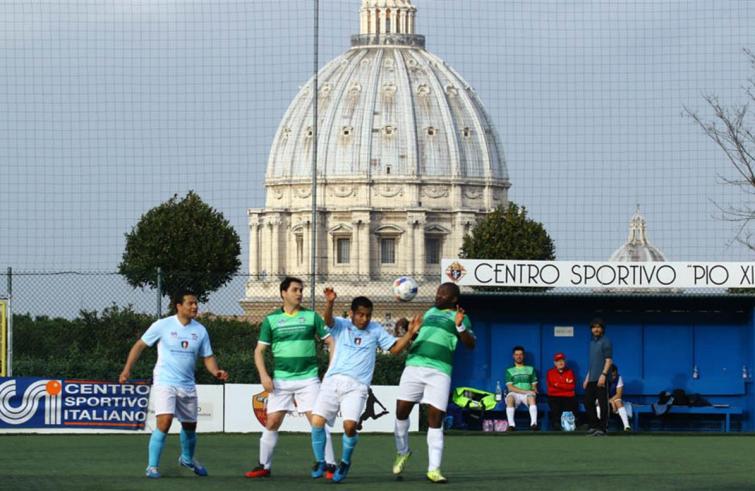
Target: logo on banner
x: 455, y: 271
x: 30, y: 402
x: 259, y: 405
x: 46, y: 392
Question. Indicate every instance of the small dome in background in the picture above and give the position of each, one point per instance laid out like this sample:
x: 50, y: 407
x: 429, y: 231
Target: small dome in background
x: 638, y: 248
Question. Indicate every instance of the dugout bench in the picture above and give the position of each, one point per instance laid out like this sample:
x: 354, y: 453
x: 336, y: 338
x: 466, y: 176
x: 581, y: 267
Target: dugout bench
x: 726, y: 412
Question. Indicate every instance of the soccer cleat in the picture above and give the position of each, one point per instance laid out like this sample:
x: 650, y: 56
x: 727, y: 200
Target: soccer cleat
x: 535, y: 427
x: 598, y: 433
x: 194, y: 465
x: 258, y: 471
x: 152, y: 473
x: 436, y: 477
x: 400, y: 462
x: 318, y: 470
x: 341, y: 472
x: 330, y: 470
x: 591, y: 431
x: 511, y: 428
x: 627, y: 429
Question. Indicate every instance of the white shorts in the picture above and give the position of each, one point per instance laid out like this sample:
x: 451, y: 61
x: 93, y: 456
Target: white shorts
x: 425, y: 385
x: 519, y: 399
x: 293, y: 395
x: 344, y: 393
x: 180, y: 402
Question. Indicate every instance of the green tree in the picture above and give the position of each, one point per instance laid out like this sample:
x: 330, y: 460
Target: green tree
x: 507, y: 233
x: 192, y: 243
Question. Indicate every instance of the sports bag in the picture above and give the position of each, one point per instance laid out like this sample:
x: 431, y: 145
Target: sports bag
x: 470, y: 398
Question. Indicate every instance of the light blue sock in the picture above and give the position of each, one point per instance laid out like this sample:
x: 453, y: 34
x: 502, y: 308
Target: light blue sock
x: 349, y: 442
x: 318, y: 443
x: 156, y: 444
x: 188, y: 444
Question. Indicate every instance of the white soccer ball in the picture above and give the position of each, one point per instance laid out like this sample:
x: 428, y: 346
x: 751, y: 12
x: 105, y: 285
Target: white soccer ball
x: 405, y: 288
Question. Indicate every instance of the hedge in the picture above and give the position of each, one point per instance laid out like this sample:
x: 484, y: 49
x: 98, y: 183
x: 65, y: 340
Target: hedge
x: 95, y: 345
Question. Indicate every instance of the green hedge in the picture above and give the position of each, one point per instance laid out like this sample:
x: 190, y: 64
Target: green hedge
x: 95, y: 345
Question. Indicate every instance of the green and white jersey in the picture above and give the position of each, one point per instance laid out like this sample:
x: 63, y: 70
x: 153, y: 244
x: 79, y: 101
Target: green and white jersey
x: 521, y: 377
x: 292, y: 338
x: 436, y: 341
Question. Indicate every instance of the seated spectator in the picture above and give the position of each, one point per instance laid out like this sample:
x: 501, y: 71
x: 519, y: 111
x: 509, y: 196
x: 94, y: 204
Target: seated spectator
x: 561, y: 383
x: 615, y: 392
x: 521, y: 382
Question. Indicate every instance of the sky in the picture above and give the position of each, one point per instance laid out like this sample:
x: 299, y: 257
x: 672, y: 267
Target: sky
x: 109, y: 108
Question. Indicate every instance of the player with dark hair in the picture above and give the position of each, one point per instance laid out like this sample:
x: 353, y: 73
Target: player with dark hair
x: 345, y: 387
x: 521, y: 382
x: 601, y: 359
x: 427, y: 376
x: 291, y: 331
x: 180, y: 341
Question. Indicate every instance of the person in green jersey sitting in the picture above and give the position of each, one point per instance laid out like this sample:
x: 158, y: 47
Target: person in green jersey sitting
x: 291, y: 332
x: 427, y: 376
x: 521, y: 382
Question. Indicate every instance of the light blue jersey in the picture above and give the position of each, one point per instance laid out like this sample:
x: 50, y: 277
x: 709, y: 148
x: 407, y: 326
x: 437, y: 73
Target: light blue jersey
x: 356, y: 349
x: 178, y: 347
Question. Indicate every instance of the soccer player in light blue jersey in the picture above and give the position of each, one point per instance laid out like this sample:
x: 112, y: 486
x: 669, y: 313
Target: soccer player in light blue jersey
x: 180, y: 341
x: 346, y: 383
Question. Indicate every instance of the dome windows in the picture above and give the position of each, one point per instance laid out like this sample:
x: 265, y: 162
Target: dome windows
x: 346, y: 131
x: 467, y: 132
x: 423, y: 90
x: 431, y: 131
x: 388, y: 130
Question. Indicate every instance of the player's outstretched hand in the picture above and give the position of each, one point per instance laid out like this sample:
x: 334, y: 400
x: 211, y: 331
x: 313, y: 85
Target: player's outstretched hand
x: 415, y: 324
x: 123, y: 377
x: 459, y: 315
x: 330, y: 295
x: 221, y: 375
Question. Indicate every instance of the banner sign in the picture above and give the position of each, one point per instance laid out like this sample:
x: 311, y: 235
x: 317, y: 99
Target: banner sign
x: 598, y: 275
x: 30, y: 402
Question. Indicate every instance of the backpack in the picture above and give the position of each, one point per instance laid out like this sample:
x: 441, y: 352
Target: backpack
x: 470, y: 398
x: 568, y: 421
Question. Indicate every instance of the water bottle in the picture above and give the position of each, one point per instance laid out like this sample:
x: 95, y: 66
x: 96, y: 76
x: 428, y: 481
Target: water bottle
x: 498, y: 391
x: 695, y: 373
x: 744, y: 372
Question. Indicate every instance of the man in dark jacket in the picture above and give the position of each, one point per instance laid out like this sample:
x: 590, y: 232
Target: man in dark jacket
x: 595, y: 384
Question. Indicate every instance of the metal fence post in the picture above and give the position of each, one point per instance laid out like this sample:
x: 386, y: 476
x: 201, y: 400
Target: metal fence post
x: 159, y: 292
x: 315, y: 69
x: 9, y: 318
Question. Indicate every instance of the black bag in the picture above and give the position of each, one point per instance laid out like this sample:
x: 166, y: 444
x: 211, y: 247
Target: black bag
x: 680, y: 398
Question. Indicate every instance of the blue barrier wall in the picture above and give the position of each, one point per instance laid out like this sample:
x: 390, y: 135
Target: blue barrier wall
x: 657, y: 341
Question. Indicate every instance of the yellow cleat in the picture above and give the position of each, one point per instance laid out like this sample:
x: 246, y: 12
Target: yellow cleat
x: 436, y: 477
x: 400, y: 462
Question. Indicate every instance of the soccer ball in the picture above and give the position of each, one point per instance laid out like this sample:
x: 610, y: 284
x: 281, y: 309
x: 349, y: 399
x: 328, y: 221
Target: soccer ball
x: 405, y: 288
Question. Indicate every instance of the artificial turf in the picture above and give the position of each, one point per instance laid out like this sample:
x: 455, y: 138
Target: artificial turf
x: 471, y: 461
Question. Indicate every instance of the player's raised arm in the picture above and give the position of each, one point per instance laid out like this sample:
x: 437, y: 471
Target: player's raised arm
x: 330, y: 301
x: 133, y: 356
x: 211, y: 364
x: 404, y: 341
x: 462, y: 327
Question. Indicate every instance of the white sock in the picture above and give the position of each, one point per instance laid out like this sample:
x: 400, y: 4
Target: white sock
x: 597, y: 408
x: 330, y: 457
x: 510, y: 415
x: 268, y: 440
x: 401, y: 434
x: 533, y: 414
x: 434, y: 448
x: 623, y: 416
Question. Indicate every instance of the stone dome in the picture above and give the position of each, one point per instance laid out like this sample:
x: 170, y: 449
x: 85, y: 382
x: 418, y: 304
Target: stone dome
x: 637, y: 248
x: 389, y: 112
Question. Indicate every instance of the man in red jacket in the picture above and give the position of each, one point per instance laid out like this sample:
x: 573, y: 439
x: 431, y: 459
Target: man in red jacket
x: 561, y: 397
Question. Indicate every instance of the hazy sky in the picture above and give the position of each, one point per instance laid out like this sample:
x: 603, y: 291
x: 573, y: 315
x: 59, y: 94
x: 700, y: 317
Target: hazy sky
x: 109, y: 108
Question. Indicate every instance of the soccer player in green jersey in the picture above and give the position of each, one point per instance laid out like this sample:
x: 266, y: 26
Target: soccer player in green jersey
x: 521, y: 382
x: 291, y: 333
x: 427, y: 376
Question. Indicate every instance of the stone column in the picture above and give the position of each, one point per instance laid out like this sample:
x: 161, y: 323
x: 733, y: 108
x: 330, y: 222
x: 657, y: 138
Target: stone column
x: 254, y: 244
x: 360, y: 220
x: 416, y: 223
x: 274, y: 223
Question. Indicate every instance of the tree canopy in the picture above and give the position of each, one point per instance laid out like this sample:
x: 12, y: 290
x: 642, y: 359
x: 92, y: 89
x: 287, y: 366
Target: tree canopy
x: 193, y: 244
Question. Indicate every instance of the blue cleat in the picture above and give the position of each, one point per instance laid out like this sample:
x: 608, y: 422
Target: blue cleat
x: 194, y: 465
x: 341, y: 472
x: 152, y: 473
x: 318, y: 470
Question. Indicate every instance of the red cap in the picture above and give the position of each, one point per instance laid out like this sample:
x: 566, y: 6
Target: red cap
x: 559, y: 356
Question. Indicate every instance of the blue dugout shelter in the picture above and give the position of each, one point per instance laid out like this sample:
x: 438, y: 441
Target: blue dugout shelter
x: 658, y: 342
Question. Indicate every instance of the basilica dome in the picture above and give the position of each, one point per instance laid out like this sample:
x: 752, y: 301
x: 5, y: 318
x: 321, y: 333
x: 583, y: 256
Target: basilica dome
x: 389, y: 113
x: 637, y: 247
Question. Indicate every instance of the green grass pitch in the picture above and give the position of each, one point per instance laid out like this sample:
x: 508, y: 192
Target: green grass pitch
x: 471, y: 461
